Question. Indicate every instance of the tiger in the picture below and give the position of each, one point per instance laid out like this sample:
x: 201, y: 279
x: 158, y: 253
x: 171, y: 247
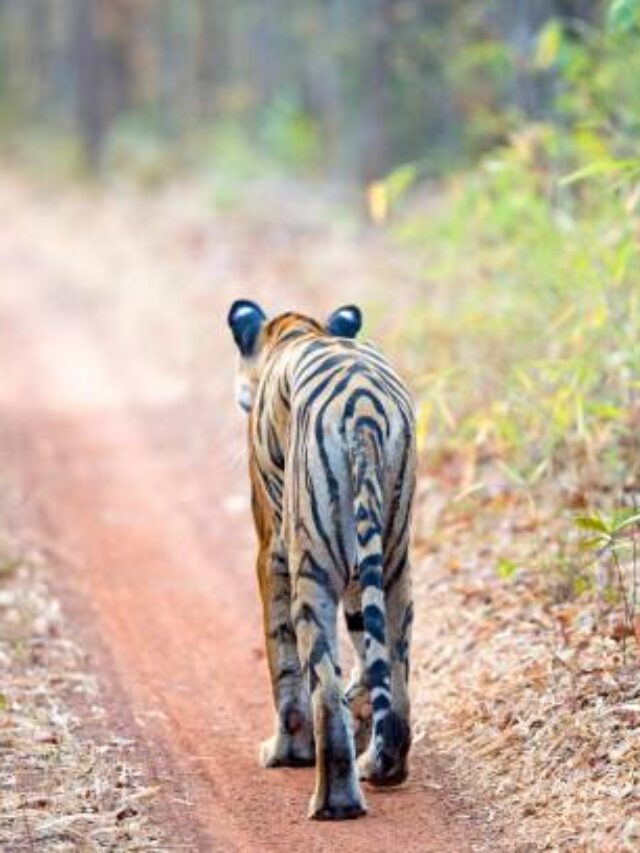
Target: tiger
x: 332, y: 468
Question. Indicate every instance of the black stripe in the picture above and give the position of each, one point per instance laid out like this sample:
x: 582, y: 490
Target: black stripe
x: 312, y: 570
x: 376, y: 674
x: 282, y: 632
x: 374, y: 623
x: 381, y: 703
x: 355, y: 622
x: 367, y: 536
x: 287, y: 672
x: 371, y: 577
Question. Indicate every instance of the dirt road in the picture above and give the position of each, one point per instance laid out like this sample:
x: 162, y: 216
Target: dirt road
x: 116, y: 411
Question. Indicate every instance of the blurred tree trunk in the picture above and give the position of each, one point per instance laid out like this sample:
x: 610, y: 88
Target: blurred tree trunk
x: 87, y: 59
x: 116, y: 29
x: 574, y: 13
x: 332, y: 85
x: 39, y: 29
x: 385, y: 80
x: 524, y: 21
x: 324, y: 85
x: 263, y: 46
x: 376, y: 154
x: 205, y: 57
x: 532, y: 91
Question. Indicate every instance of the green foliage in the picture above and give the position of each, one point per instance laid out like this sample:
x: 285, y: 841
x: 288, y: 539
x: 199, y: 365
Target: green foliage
x: 531, y: 304
x: 399, y: 181
x: 609, y: 531
x: 523, y: 342
x: 506, y: 569
x: 481, y: 79
x: 613, y: 542
x: 136, y: 150
x: 624, y: 15
x: 549, y: 45
x: 290, y: 135
x: 529, y: 312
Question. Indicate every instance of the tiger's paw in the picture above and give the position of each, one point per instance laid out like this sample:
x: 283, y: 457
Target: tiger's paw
x: 344, y: 802
x: 285, y: 750
x: 385, y: 764
x: 382, y: 771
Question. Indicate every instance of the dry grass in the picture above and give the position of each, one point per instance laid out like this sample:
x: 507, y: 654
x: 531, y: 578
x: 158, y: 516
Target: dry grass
x: 525, y: 688
x: 66, y: 783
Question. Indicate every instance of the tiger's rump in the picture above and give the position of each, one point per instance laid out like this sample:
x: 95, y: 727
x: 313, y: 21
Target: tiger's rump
x: 345, y: 399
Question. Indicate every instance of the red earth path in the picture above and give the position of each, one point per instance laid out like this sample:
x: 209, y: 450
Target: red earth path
x: 116, y: 412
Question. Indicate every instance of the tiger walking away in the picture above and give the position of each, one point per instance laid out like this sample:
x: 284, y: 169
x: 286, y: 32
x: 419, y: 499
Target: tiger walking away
x: 332, y: 463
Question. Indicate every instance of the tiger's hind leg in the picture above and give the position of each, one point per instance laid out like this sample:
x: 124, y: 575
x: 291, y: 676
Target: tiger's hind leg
x: 357, y: 694
x: 292, y: 743
x: 337, y: 794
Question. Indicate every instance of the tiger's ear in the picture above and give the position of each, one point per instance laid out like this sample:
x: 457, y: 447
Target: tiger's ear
x: 345, y: 322
x: 245, y: 321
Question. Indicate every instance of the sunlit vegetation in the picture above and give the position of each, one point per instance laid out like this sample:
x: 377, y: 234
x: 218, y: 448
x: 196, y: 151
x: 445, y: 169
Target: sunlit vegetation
x: 523, y: 341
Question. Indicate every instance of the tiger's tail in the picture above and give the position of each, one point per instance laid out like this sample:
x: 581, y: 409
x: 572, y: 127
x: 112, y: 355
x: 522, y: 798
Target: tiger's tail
x: 384, y: 762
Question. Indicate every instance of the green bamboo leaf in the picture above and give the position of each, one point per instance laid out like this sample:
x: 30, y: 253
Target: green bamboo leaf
x: 506, y: 569
x: 548, y: 45
x: 592, y: 522
x: 622, y: 16
x: 628, y: 522
x: 592, y: 544
x: 601, y: 167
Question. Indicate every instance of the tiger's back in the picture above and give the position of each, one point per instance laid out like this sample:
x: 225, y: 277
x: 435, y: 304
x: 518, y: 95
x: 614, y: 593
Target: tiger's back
x: 324, y: 409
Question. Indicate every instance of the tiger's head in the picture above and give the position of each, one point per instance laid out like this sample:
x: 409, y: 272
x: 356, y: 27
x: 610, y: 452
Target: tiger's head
x: 256, y: 335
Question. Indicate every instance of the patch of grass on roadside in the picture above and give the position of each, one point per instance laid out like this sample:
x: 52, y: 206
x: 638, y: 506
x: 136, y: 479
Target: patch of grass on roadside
x: 527, y: 691
x: 529, y: 312
x: 523, y: 346
x: 61, y: 788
